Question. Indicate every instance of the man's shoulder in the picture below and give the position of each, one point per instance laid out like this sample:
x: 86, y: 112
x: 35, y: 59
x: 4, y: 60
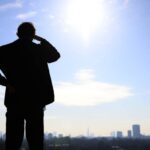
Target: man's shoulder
x: 6, y: 46
x: 17, y: 43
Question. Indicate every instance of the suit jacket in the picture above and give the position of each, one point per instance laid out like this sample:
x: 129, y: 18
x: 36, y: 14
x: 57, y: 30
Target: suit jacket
x: 25, y: 66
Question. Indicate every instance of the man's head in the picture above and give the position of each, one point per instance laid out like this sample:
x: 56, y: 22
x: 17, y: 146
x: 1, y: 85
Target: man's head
x: 26, y: 30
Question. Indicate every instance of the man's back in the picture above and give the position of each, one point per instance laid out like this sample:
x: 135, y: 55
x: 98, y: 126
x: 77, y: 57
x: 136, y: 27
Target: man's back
x: 25, y: 67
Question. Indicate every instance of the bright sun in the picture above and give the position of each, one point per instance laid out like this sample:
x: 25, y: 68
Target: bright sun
x: 85, y: 16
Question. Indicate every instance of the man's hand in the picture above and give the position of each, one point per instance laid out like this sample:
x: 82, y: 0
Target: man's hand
x: 38, y: 38
x: 42, y: 40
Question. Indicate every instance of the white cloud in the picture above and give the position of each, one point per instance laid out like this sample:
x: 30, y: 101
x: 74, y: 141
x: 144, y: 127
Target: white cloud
x: 86, y: 91
x: 10, y: 5
x: 84, y: 75
x: 27, y: 15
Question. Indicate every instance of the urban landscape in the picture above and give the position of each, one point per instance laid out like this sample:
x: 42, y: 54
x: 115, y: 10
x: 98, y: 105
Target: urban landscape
x: 135, y: 133
x: 116, y: 141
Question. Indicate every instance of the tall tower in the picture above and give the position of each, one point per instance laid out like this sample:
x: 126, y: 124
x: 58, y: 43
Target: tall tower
x: 129, y: 134
x: 119, y: 134
x: 88, y: 133
x: 136, y: 131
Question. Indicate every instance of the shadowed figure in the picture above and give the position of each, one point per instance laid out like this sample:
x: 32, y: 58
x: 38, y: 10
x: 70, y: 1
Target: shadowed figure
x: 28, y: 86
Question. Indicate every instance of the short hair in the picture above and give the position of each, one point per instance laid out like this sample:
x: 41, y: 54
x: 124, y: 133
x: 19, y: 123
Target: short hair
x: 26, y: 30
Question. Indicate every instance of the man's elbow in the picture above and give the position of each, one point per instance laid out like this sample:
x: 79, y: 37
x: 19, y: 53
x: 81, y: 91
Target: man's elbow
x: 57, y: 56
x: 54, y: 58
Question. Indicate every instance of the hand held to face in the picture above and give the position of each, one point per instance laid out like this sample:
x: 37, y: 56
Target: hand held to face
x: 38, y: 38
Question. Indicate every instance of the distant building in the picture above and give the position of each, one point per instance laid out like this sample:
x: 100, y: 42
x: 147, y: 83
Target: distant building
x: 50, y: 136
x: 129, y: 134
x: 113, y: 134
x: 146, y: 137
x: 136, y: 131
x: 54, y: 134
x: 60, y: 135
x: 119, y: 134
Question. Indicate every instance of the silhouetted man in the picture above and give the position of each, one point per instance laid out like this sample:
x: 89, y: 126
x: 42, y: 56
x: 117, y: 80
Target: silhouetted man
x: 28, y: 86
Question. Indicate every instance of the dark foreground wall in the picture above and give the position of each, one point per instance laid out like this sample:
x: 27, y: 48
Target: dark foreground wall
x: 68, y: 143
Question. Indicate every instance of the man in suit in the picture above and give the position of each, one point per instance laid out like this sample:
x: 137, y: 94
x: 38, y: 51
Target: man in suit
x: 28, y: 86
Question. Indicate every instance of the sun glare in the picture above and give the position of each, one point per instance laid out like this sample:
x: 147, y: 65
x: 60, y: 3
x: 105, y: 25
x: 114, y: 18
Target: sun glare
x: 85, y: 16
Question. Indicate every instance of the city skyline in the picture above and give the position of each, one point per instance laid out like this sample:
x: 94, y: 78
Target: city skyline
x: 134, y: 133
x: 102, y: 80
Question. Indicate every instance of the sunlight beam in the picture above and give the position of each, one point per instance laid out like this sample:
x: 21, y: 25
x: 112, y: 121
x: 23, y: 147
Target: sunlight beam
x: 85, y: 16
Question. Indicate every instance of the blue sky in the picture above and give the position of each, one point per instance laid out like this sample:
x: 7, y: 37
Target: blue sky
x: 102, y: 79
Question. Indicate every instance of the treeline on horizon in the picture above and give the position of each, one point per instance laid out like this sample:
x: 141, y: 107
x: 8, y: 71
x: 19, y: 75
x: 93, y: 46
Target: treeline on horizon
x: 83, y: 143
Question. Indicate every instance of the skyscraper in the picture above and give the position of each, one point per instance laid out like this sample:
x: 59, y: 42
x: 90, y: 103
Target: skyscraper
x: 119, y: 134
x: 136, y: 131
x: 129, y: 134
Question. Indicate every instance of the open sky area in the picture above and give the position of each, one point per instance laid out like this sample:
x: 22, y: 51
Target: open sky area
x: 102, y: 80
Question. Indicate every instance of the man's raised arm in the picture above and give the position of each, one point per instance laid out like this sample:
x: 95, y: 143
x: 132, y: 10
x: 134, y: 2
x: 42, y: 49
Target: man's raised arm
x: 48, y: 50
